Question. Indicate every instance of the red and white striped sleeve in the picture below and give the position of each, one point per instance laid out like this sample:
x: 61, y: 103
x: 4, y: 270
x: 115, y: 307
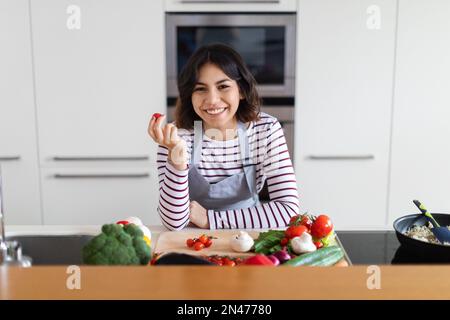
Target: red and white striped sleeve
x: 173, y: 206
x: 282, y: 185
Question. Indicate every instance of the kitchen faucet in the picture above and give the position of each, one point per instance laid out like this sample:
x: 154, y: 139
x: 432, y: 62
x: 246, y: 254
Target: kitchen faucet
x: 10, y: 251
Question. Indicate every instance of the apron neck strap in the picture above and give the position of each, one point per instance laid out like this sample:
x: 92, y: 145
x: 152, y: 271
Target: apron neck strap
x: 198, y: 139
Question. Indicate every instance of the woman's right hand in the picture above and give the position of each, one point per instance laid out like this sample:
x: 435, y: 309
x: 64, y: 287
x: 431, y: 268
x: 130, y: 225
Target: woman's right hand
x: 167, y: 136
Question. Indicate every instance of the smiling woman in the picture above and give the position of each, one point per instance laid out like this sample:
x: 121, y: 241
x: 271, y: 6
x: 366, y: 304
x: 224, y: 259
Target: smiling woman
x: 212, y: 169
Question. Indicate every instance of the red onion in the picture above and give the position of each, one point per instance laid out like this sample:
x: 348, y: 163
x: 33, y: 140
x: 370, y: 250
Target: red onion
x: 282, y: 256
x: 274, y: 260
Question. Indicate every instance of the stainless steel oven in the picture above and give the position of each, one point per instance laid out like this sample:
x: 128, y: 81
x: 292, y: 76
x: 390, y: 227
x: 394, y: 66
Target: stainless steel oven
x: 266, y: 41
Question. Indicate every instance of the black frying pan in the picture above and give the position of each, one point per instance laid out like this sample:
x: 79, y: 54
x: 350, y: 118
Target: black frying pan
x: 429, y: 251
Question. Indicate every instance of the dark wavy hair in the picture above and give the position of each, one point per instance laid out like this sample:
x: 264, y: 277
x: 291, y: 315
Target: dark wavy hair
x: 232, y: 64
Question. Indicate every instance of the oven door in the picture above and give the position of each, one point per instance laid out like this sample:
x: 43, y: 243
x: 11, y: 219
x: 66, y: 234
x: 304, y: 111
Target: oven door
x: 265, y: 41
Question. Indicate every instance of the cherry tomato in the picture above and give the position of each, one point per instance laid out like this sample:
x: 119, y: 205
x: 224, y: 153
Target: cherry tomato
x: 295, y: 231
x: 203, y: 238
x: 208, y: 243
x: 284, y: 241
x: 156, y: 115
x: 306, y: 221
x: 198, y: 246
x: 219, y: 262
x: 318, y: 244
x: 321, y: 227
x: 228, y: 262
x: 190, y: 243
x: 293, y: 220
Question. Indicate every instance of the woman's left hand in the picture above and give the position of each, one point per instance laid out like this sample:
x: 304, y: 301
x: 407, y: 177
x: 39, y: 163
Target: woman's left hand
x: 198, y: 215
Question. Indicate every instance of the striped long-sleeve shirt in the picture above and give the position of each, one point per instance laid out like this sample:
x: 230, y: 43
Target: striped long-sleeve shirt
x: 221, y: 159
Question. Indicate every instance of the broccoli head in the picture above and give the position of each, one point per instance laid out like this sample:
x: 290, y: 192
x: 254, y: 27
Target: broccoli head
x: 117, y: 245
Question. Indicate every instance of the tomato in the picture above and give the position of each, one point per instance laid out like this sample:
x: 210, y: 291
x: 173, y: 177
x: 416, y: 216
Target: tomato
x: 293, y: 220
x: 198, y: 246
x: 321, y: 227
x: 190, y: 242
x: 318, y: 244
x: 156, y: 115
x: 208, y: 243
x: 203, y: 238
x: 284, y: 241
x: 228, y: 262
x: 295, y: 231
x: 306, y: 221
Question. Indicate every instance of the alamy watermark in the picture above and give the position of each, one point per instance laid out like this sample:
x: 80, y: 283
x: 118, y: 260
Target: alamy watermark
x: 73, y: 281
x: 373, y: 282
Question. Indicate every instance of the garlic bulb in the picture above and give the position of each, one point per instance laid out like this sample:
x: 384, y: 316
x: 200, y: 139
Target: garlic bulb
x: 241, y: 242
x: 303, y: 244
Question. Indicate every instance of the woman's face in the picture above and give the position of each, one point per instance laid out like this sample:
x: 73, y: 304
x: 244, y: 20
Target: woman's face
x: 216, y: 97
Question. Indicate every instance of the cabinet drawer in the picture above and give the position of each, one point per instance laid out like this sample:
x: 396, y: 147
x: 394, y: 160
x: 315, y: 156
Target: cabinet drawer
x: 89, y: 196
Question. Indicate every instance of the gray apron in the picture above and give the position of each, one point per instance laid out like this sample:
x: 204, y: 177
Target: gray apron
x: 234, y: 192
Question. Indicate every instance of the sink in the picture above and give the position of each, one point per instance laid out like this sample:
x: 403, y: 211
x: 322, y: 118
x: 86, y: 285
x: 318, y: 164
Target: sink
x: 52, y: 249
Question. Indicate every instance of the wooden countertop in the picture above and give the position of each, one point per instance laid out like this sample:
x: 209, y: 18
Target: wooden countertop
x: 250, y: 282
x: 201, y: 282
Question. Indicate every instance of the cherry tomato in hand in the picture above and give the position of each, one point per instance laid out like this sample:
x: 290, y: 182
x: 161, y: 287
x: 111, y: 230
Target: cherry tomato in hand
x: 321, y: 227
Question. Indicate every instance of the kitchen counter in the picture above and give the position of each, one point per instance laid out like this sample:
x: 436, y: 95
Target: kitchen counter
x: 193, y: 282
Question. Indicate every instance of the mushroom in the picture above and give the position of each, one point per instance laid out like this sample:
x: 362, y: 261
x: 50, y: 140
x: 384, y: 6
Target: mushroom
x: 241, y: 242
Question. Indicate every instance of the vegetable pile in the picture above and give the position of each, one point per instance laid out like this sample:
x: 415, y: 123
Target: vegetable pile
x: 118, y: 244
x: 306, y: 241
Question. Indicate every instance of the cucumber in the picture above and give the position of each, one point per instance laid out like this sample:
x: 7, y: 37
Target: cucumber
x: 323, y: 257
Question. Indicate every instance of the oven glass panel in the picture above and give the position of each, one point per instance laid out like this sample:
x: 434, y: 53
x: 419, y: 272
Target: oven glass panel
x: 262, y: 48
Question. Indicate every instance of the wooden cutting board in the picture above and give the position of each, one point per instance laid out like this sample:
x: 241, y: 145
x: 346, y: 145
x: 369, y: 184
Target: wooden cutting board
x: 175, y: 241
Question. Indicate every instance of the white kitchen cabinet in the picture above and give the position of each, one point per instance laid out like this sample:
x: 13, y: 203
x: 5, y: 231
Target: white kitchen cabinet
x: 94, y: 196
x: 18, y: 147
x: 98, y: 86
x: 99, y: 78
x: 230, y: 6
x: 421, y: 123
x: 344, y: 83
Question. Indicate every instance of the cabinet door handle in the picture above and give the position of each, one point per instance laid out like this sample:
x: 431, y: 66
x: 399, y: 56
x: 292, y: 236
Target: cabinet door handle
x: 9, y: 158
x: 342, y: 157
x: 99, y: 158
x: 98, y: 175
x: 230, y: 1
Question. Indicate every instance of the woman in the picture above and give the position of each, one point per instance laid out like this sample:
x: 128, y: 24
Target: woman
x: 214, y: 160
